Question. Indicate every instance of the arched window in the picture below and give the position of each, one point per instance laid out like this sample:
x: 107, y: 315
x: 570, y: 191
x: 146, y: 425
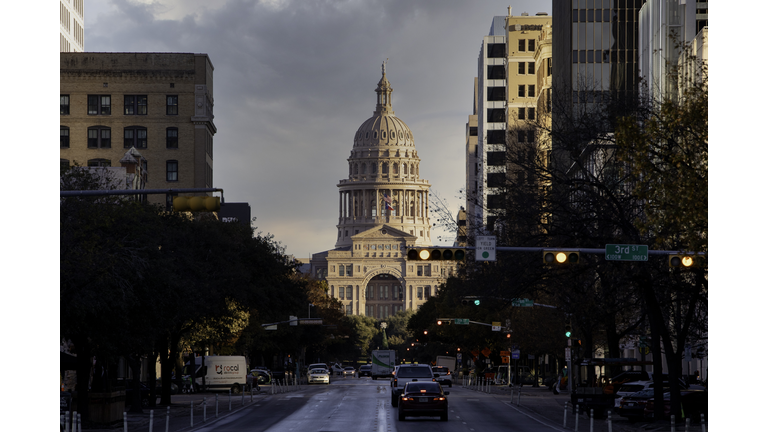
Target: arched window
x: 373, y: 168
x: 412, y: 171
x: 364, y: 165
x: 385, y: 168
x: 135, y: 136
x: 99, y: 137
x: 395, y: 168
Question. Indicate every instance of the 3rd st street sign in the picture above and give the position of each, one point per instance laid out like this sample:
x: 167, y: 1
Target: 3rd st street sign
x: 619, y: 252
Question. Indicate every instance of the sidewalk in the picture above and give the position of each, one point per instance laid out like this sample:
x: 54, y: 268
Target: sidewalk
x: 542, y: 403
x: 186, y: 412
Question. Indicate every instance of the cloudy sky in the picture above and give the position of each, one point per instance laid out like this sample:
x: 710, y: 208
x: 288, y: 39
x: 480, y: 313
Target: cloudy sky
x: 294, y: 79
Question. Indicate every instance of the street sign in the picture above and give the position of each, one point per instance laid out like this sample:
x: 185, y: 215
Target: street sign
x: 619, y: 252
x: 272, y: 327
x: 310, y: 321
x: 515, y: 354
x: 485, y: 248
x: 458, y: 357
x: 461, y: 321
x: 522, y: 303
x: 504, y: 353
x: 495, y: 326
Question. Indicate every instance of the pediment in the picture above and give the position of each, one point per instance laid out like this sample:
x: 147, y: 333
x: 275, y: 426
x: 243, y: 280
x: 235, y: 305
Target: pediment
x: 384, y: 232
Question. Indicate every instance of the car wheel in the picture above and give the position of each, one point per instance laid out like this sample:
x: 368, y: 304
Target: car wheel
x: 235, y: 389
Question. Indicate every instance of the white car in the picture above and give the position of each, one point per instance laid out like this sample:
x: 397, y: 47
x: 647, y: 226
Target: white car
x: 319, y: 376
x: 349, y: 370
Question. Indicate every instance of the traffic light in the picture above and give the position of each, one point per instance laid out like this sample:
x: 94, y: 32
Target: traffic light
x: 470, y: 300
x: 687, y: 261
x: 568, y: 329
x: 436, y: 254
x: 196, y: 203
x: 560, y: 257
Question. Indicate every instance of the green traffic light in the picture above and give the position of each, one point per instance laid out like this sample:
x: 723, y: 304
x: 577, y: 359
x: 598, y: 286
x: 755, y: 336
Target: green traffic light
x: 567, y: 334
x: 477, y: 302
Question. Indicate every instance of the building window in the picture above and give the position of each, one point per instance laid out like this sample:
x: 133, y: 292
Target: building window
x: 172, y: 137
x: 63, y: 164
x: 496, y: 93
x: 532, y: 90
x: 99, y: 104
x: 64, y: 104
x: 495, y: 158
x: 349, y: 309
x: 172, y: 105
x: 496, y: 136
x: 531, y: 135
x: 419, y: 270
x: 521, y: 90
x: 521, y: 68
x: 549, y: 66
x: 521, y: 45
x: 496, y: 72
x: 99, y: 137
x: 531, y: 113
x: 64, y: 136
x: 349, y: 293
x: 521, y: 113
x: 172, y: 170
x: 496, y: 179
x: 135, y: 105
x: 349, y: 273
x: 531, y: 68
x: 341, y: 270
x: 531, y: 45
x: 496, y: 115
x: 496, y: 51
x: 135, y: 136
x: 419, y: 293
x: 99, y: 163
x: 472, y: 131
x: 521, y: 136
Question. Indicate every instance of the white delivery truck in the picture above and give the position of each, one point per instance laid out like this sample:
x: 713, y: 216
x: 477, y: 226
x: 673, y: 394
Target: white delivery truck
x: 446, y: 361
x: 220, y: 373
x: 382, y: 363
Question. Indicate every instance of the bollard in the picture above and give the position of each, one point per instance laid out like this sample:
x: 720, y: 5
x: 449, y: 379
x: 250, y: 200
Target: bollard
x: 672, y: 422
x: 66, y: 421
x: 191, y: 413
x: 703, y: 426
x: 565, y: 415
x: 167, y: 418
x: 576, y: 428
x: 687, y: 424
x: 230, y: 399
x: 205, y: 410
x: 591, y: 420
x: 151, y: 419
x: 217, y: 404
x: 62, y: 421
x: 80, y: 422
x: 610, y: 422
x: 251, y: 394
x: 125, y: 422
x: 519, y: 393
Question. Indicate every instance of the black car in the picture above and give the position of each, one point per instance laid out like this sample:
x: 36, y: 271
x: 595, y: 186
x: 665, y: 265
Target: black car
x: 365, y: 370
x: 423, y: 399
x: 632, y: 406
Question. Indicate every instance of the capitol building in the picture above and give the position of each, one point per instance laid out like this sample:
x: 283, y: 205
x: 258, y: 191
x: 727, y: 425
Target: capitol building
x: 383, y: 211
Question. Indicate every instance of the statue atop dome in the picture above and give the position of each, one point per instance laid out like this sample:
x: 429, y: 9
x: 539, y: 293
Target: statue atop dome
x: 384, y: 66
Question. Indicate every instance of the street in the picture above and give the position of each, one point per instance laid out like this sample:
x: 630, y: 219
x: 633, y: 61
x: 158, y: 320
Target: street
x: 352, y: 404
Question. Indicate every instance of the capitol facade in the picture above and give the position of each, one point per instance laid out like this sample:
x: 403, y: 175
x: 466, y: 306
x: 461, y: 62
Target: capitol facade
x: 383, y: 211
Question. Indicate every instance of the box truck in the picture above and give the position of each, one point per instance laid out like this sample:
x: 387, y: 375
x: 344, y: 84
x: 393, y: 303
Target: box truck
x: 382, y: 363
x: 220, y: 373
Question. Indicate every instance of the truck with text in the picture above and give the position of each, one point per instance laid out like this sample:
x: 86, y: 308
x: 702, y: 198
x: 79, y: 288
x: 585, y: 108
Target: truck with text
x: 382, y: 363
x: 218, y: 373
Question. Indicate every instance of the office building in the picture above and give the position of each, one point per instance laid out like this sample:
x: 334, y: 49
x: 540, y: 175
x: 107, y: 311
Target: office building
x: 161, y: 104
x: 71, y: 26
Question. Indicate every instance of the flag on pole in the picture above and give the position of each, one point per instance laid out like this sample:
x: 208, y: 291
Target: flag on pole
x: 388, y: 201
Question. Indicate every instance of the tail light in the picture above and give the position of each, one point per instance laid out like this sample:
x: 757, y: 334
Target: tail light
x: 439, y: 398
x: 395, y: 382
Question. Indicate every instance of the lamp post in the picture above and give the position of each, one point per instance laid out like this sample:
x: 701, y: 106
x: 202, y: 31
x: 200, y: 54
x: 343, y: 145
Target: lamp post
x: 308, y: 314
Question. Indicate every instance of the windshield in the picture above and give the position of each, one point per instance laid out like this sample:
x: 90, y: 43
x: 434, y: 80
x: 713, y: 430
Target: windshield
x: 414, y: 372
x: 319, y: 371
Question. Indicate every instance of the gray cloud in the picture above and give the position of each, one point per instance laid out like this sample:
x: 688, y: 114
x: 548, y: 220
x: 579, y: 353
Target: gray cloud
x: 294, y: 79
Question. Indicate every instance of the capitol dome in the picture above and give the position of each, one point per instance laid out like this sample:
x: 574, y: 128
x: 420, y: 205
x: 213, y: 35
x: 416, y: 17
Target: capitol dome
x: 383, y: 129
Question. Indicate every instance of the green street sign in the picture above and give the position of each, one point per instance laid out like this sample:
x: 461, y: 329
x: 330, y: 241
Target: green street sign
x: 618, y: 252
x: 461, y: 321
x: 522, y: 303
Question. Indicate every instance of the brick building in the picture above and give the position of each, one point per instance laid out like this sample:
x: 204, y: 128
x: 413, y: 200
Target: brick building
x: 159, y: 103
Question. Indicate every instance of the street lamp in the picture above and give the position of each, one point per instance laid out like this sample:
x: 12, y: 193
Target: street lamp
x: 308, y: 314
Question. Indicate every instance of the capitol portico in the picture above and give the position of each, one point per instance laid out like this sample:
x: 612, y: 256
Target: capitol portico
x: 383, y: 210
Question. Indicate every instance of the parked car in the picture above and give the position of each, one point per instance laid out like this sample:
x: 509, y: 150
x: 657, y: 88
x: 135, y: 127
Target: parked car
x: 407, y: 374
x: 349, y: 370
x: 319, y: 376
x: 365, y: 370
x: 633, y: 405
x: 423, y: 399
x: 261, y: 376
x: 444, y: 375
x: 693, y: 403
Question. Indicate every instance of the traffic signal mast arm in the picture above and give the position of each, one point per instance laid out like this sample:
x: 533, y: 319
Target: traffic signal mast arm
x: 580, y: 250
x: 473, y: 322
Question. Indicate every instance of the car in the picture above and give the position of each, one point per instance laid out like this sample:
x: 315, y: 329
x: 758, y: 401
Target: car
x: 144, y: 391
x: 408, y: 373
x: 365, y: 370
x: 629, y: 388
x: 319, y: 376
x: 261, y: 376
x: 693, y: 403
x: 444, y: 375
x: 349, y: 370
x: 422, y: 399
x: 317, y: 366
x: 633, y: 405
